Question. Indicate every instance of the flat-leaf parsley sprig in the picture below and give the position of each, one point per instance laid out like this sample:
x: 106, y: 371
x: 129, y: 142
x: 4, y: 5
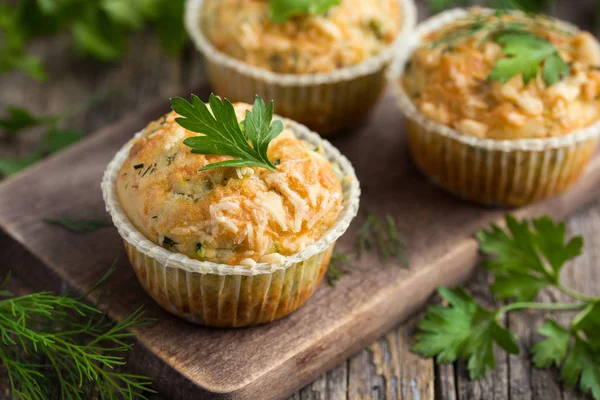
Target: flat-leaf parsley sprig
x: 281, y: 10
x: 524, y: 258
x: 525, y: 52
x: 248, y: 141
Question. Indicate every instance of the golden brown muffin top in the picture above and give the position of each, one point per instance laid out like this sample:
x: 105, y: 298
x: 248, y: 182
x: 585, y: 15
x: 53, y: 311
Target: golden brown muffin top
x: 451, y: 78
x: 227, y: 215
x: 344, y: 36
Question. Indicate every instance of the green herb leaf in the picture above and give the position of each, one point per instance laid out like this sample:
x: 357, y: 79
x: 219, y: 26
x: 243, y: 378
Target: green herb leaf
x: 436, y: 6
x: 222, y: 133
x: 526, y: 260
x: 462, y: 330
x: 18, y: 119
x: 553, y: 349
x: 339, y: 263
x: 582, y: 365
x: 526, y: 52
x: 99, y: 36
x: 10, y: 167
x: 79, y: 225
x: 282, y: 10
x: 588, y: 322
x: 170, y: 28
x: 49, y: 341
x: 57, y: 140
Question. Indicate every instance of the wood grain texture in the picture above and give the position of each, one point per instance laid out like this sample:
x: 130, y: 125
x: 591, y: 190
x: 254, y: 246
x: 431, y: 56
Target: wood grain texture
x: 72, y: 79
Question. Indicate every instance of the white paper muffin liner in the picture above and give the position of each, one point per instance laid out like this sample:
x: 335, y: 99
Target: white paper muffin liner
x: 489, y: 171
x: 326, y: 102
x: 225, y: 295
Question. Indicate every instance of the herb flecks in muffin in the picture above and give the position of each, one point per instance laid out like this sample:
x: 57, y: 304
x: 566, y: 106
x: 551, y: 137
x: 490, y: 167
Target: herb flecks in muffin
x: 168, y: 242
x: 222, y: 133
x: 309, y: 43
x: 281, y: 10
x: 506, y: 76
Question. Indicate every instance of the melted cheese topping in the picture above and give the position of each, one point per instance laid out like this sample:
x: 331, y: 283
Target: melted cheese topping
x: 227, y: 215
x: 451, y: 86
x: 346, y: 35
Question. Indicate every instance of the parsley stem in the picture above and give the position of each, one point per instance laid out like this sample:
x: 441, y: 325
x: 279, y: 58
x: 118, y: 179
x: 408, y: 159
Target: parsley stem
x: 575, y: 294
x: 539, y: 306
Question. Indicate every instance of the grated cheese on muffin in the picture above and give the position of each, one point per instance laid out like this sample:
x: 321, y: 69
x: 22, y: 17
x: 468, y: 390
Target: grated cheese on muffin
x: 449, y: 82
x: 227, y: 215
x: 346, y: 35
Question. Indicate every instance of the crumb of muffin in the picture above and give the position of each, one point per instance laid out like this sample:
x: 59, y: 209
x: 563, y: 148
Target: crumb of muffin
x: 227, y: 215
x: 344, y: 36
x: 450, y: 83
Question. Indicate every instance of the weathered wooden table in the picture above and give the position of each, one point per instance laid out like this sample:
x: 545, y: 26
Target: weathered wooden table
x: 385, y: 369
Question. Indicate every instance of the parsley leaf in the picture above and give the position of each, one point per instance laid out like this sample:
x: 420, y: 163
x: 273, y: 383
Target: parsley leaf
x: 525, y: 53
x: 527, y: 260
x: 57, y: 140
x: 553, y: 349
x: 282, y: 10
x: 11, y: 166
x: 18, y: 119
x: 582, y: 362
x: 222, y: 134
x: 583, y: 365
x: 463, y: 330
x: 588, y: 322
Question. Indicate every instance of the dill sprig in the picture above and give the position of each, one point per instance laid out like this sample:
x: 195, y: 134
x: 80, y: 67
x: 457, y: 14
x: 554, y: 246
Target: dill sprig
x: 58, y: 346
x: 340, y: 263
x: 381, y: 236
x: 376, y: 235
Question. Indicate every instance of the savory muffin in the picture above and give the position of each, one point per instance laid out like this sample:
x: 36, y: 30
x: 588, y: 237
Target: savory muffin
x: 227, y: 215
x: 495, y: 101
x: 229, y: 246
x: 324, y: 64
x: 346, y: 35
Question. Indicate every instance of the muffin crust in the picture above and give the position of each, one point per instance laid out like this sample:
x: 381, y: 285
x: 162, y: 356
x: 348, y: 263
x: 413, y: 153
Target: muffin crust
x: 346, y: 35
x: 449, y: 83
x: 227, y: 215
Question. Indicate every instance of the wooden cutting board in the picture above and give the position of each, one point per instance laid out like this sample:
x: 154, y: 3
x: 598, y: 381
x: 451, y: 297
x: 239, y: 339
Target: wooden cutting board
x: 192, y: 362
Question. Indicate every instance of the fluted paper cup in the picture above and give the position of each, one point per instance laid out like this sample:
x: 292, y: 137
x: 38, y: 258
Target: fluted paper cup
x: 489, y: 171
x: 232, y: 295
x: 326, y: 102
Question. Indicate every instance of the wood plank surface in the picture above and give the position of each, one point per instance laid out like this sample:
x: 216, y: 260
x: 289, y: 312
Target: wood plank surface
x: 384, y: 369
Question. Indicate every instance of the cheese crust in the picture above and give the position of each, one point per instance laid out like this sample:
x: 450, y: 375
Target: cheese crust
x: 346, y: 35
x: 227, y: 215
x: 450, y: 85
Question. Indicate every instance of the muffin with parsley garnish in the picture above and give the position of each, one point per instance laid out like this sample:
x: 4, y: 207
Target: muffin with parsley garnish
x: 323, y: 62
x: 502, y: 108
x: 229, y: 218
